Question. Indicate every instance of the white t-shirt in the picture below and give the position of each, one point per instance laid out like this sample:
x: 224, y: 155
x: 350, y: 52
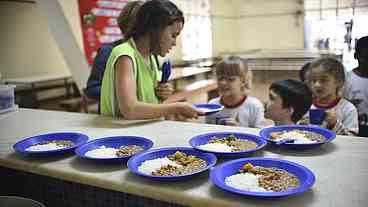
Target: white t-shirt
x: 347, y: 118
x: 356, y: 89
x: 249, y: 114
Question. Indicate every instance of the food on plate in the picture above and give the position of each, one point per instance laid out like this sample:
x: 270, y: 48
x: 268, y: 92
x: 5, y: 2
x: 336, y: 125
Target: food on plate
x: 175, y: 164
x: 228, y: 144
x: 262, y: 179
x: 298, y: 136
x: 50, y: 145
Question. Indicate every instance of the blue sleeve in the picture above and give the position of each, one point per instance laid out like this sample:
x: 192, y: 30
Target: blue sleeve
x: 95, y: 78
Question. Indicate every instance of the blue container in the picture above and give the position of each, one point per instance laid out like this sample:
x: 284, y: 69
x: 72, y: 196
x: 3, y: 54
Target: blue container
x: 113, y: 142
x: 6, y: 97
x: 205, y: 138
x: 221, y: 172
x: 137, y: 160
x: 317, y: 116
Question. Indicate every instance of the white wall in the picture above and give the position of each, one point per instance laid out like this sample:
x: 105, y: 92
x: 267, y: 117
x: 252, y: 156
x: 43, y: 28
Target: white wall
x: 241, y: 25
x: 27, y: 47
x: 223, y: 25
x: 268, y: 24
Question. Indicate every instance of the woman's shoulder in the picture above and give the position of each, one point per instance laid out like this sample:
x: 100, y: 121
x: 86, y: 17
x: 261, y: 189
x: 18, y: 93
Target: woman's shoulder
x: 124, y: 47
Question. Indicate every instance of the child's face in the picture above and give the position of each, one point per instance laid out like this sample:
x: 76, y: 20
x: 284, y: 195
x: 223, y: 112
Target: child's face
x: 274, y: 109
x: 168, y: 37
x: 322, y: 84
x: 231, y: 85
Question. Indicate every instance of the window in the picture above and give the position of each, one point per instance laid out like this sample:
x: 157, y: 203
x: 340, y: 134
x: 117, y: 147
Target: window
x: 197, y: 32
x: 334, y: 25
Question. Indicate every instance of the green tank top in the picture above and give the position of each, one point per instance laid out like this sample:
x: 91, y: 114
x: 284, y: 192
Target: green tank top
x: 146, y: 77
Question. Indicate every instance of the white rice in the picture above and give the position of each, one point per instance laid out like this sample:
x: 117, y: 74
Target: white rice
x: 245, y: 181
x: 298, y: 138
x: 102, y: 152
x: 44, y: 147
x: 216, y: 147
x: 149, y: 166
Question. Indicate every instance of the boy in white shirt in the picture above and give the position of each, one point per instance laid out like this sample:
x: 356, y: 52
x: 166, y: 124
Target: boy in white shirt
x: 240, y: 109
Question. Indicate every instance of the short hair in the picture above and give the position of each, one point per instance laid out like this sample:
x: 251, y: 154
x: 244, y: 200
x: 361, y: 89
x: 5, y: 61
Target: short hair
x: 152, y: 17
x: 331, y: 66
x: 361, y: 45
x: 294, y: 94
x: 128, y: 14
x: 234, y: 66
x: 303, y: 71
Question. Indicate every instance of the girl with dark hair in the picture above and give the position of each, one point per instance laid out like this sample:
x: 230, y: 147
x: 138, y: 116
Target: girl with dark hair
x: 326, y: 80
x: 130, y: 87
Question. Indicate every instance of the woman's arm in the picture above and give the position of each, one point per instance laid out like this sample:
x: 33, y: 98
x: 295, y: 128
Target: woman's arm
x: 131, y: 108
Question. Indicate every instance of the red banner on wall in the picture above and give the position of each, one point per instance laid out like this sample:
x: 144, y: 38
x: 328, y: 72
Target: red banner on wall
x: 99, y: 24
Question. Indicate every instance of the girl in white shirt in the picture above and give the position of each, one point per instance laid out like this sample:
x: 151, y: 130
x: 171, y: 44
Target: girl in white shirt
x: 326, y: 79
x: 240, y: 109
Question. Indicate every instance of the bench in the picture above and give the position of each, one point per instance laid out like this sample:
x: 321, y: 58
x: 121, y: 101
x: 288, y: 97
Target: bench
x: 196, y: 92
x: 41, y: 82
x: 79, y: 104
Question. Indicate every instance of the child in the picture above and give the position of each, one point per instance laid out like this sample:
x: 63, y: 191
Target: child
x: 126, y: 20
x: 288, y: 101
x: 129, y: 85
x: 357, y: 83
x: 234, y: 79
x: 327, y: 77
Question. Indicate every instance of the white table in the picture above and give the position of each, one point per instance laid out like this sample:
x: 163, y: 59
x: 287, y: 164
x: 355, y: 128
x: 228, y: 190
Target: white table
x: 341, y: 167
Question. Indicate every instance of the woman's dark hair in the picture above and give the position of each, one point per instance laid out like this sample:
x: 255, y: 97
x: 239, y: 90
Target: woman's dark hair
x: 294, y: 94
x: 303, y: 71
x: 152, y: 18
x: 128, y: 14
x: 361, y: 45
x: 361, y: 52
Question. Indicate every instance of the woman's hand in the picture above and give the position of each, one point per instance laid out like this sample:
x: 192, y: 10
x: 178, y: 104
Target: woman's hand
x: 331, y: 118
x: 164, y: 90
x: 186, y: 110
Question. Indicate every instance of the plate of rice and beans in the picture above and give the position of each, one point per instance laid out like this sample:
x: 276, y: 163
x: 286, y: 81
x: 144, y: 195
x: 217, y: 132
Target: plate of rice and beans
x: 262, y: 177
x: 169, y: 164
x: 50, y: 144
x: 297, y: 136
x: 228, y: 143
x: 117, y: 148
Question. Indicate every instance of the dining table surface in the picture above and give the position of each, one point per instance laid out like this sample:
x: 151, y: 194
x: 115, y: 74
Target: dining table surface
x: 340, y: 167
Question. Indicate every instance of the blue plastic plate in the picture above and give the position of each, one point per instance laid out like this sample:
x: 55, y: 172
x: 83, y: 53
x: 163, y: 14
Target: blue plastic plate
x: 305, y: 176
x: 136, y: 161
x: 113, y: 142
x: 204, y: 139
x: 77, y: 138
x: 209, y: 108
x: 328, y: 134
